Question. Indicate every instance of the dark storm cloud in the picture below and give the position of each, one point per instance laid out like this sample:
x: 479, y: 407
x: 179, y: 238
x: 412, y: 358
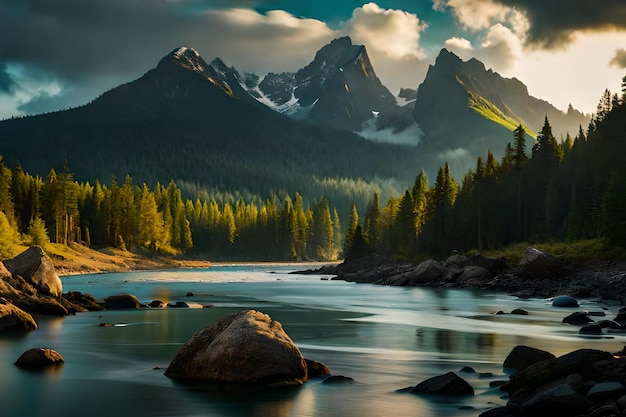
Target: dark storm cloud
x: 92, y: 46
x: 552, y: 22
x: 6, y: 81
x: 619, y: 60
x: 97, y: 44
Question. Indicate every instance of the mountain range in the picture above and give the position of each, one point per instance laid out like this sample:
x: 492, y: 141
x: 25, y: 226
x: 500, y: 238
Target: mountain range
x: 323, y: 129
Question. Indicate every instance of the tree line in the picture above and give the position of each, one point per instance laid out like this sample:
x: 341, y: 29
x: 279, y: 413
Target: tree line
x: 541, y: 190
x: 159, y: 221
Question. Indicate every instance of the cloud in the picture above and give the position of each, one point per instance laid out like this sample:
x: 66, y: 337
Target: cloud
x: 541, y: 24
x: 94, y: 46
x: 6, y: 81
x: 553, y: 24
x: 392, y: 38
x: 499, y: 50
x: 619, y: 60
x: 474, y: 14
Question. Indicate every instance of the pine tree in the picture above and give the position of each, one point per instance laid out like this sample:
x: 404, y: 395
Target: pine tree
x: 373, y: 224
x: 38, y: 233
x: 9, y: 237
x: 404, y: 225
x: 353, y: 222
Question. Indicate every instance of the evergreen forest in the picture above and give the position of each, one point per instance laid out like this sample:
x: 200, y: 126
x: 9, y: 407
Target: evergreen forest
x: 541, y: 190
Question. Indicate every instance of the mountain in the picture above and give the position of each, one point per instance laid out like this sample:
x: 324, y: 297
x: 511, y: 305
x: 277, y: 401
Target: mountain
x: 339, y: 88
x: 193, y: 122
x: 465, y: 109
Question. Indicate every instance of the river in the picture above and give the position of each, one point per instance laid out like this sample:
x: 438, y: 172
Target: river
x: 386, y: 338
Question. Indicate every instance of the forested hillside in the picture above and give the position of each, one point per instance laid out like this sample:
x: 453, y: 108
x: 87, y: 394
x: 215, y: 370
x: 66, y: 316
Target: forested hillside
x: 159, y: 221
x: 538, y: 191
x: 180, y: 122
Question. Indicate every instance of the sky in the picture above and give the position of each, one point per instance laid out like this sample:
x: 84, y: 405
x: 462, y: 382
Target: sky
x: 64, y: 53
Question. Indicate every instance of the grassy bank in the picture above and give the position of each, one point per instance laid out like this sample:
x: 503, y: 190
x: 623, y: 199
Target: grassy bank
x: 582, y: 252
x: 79, y: 259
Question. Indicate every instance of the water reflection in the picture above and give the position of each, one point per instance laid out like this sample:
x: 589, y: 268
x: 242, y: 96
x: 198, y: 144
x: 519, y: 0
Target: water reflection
x: 385, y: 338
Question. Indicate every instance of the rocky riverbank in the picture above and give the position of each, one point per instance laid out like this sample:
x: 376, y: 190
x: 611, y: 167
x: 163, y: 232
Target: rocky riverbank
x: 538, y: 274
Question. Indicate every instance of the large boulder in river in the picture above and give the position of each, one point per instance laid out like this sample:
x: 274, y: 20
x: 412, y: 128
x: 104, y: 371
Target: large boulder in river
x: 243, y: 348
x: 521, y: 357
x: 12, y: 317
x: 546, y: 372
x: 36, y: 268
x: 538, y: 264
x: 121, y: 302
x: 447, y: 384
x: 39, y: 358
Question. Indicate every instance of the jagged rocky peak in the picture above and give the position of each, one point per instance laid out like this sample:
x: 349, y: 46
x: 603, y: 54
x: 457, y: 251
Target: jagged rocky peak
x: 186, y: 57
x: 447, y: 59
x: 278, y: 87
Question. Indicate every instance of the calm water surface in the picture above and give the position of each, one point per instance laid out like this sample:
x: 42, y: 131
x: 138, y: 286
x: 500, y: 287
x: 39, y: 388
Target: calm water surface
x: 385, y: 338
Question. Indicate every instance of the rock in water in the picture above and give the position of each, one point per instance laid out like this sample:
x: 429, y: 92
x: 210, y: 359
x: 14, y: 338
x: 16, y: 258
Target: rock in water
x: 564, y: 301
x: 447, y: 384
x: 36, y: 268
x: 12, y: 317
x: 521, y: 357
x: 121, y: 302
x: 243, y: 348
x: 39, y: 358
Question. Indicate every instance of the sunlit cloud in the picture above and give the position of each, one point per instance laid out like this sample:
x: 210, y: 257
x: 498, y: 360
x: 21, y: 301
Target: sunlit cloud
x: 619, y: 60
x: 392, y: 38
x: 499, y: 50
x: 474, y: 14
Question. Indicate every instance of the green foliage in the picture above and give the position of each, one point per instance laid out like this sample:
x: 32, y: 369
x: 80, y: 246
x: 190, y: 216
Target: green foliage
x: 9, y: 237
x: 37, y: 233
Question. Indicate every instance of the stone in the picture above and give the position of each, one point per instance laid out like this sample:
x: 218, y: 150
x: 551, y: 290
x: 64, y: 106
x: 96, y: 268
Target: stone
x: 561, y: 400
x: 608, y: 410
x: 156, y: 304
x: 497, y: 412
x: 591, y: 329
x: 428, y: 271
x: 447, y: 384
x: 575, y: 381
x: 316, y: 369
x: 338, y: 379
x: 603, y: 390
x: 545, y: 372
x: 178, y: 304
x: 248, y: 347
x: 519, y: 312
x: 536, y: 264
x: 13, y: 317
x: 577, y: 318
x: 521, y: 357
x: 564, y: 301
x: 36, y: 268
x: 39, y: 358
x: 121, y: 302
x: 474, y: 273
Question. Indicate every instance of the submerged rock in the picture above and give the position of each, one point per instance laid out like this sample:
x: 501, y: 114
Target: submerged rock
x: 243, y: 348
x: 338, y: 379
x: 39, y: 358
x: 577, y: 318
x: 447, y: 384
